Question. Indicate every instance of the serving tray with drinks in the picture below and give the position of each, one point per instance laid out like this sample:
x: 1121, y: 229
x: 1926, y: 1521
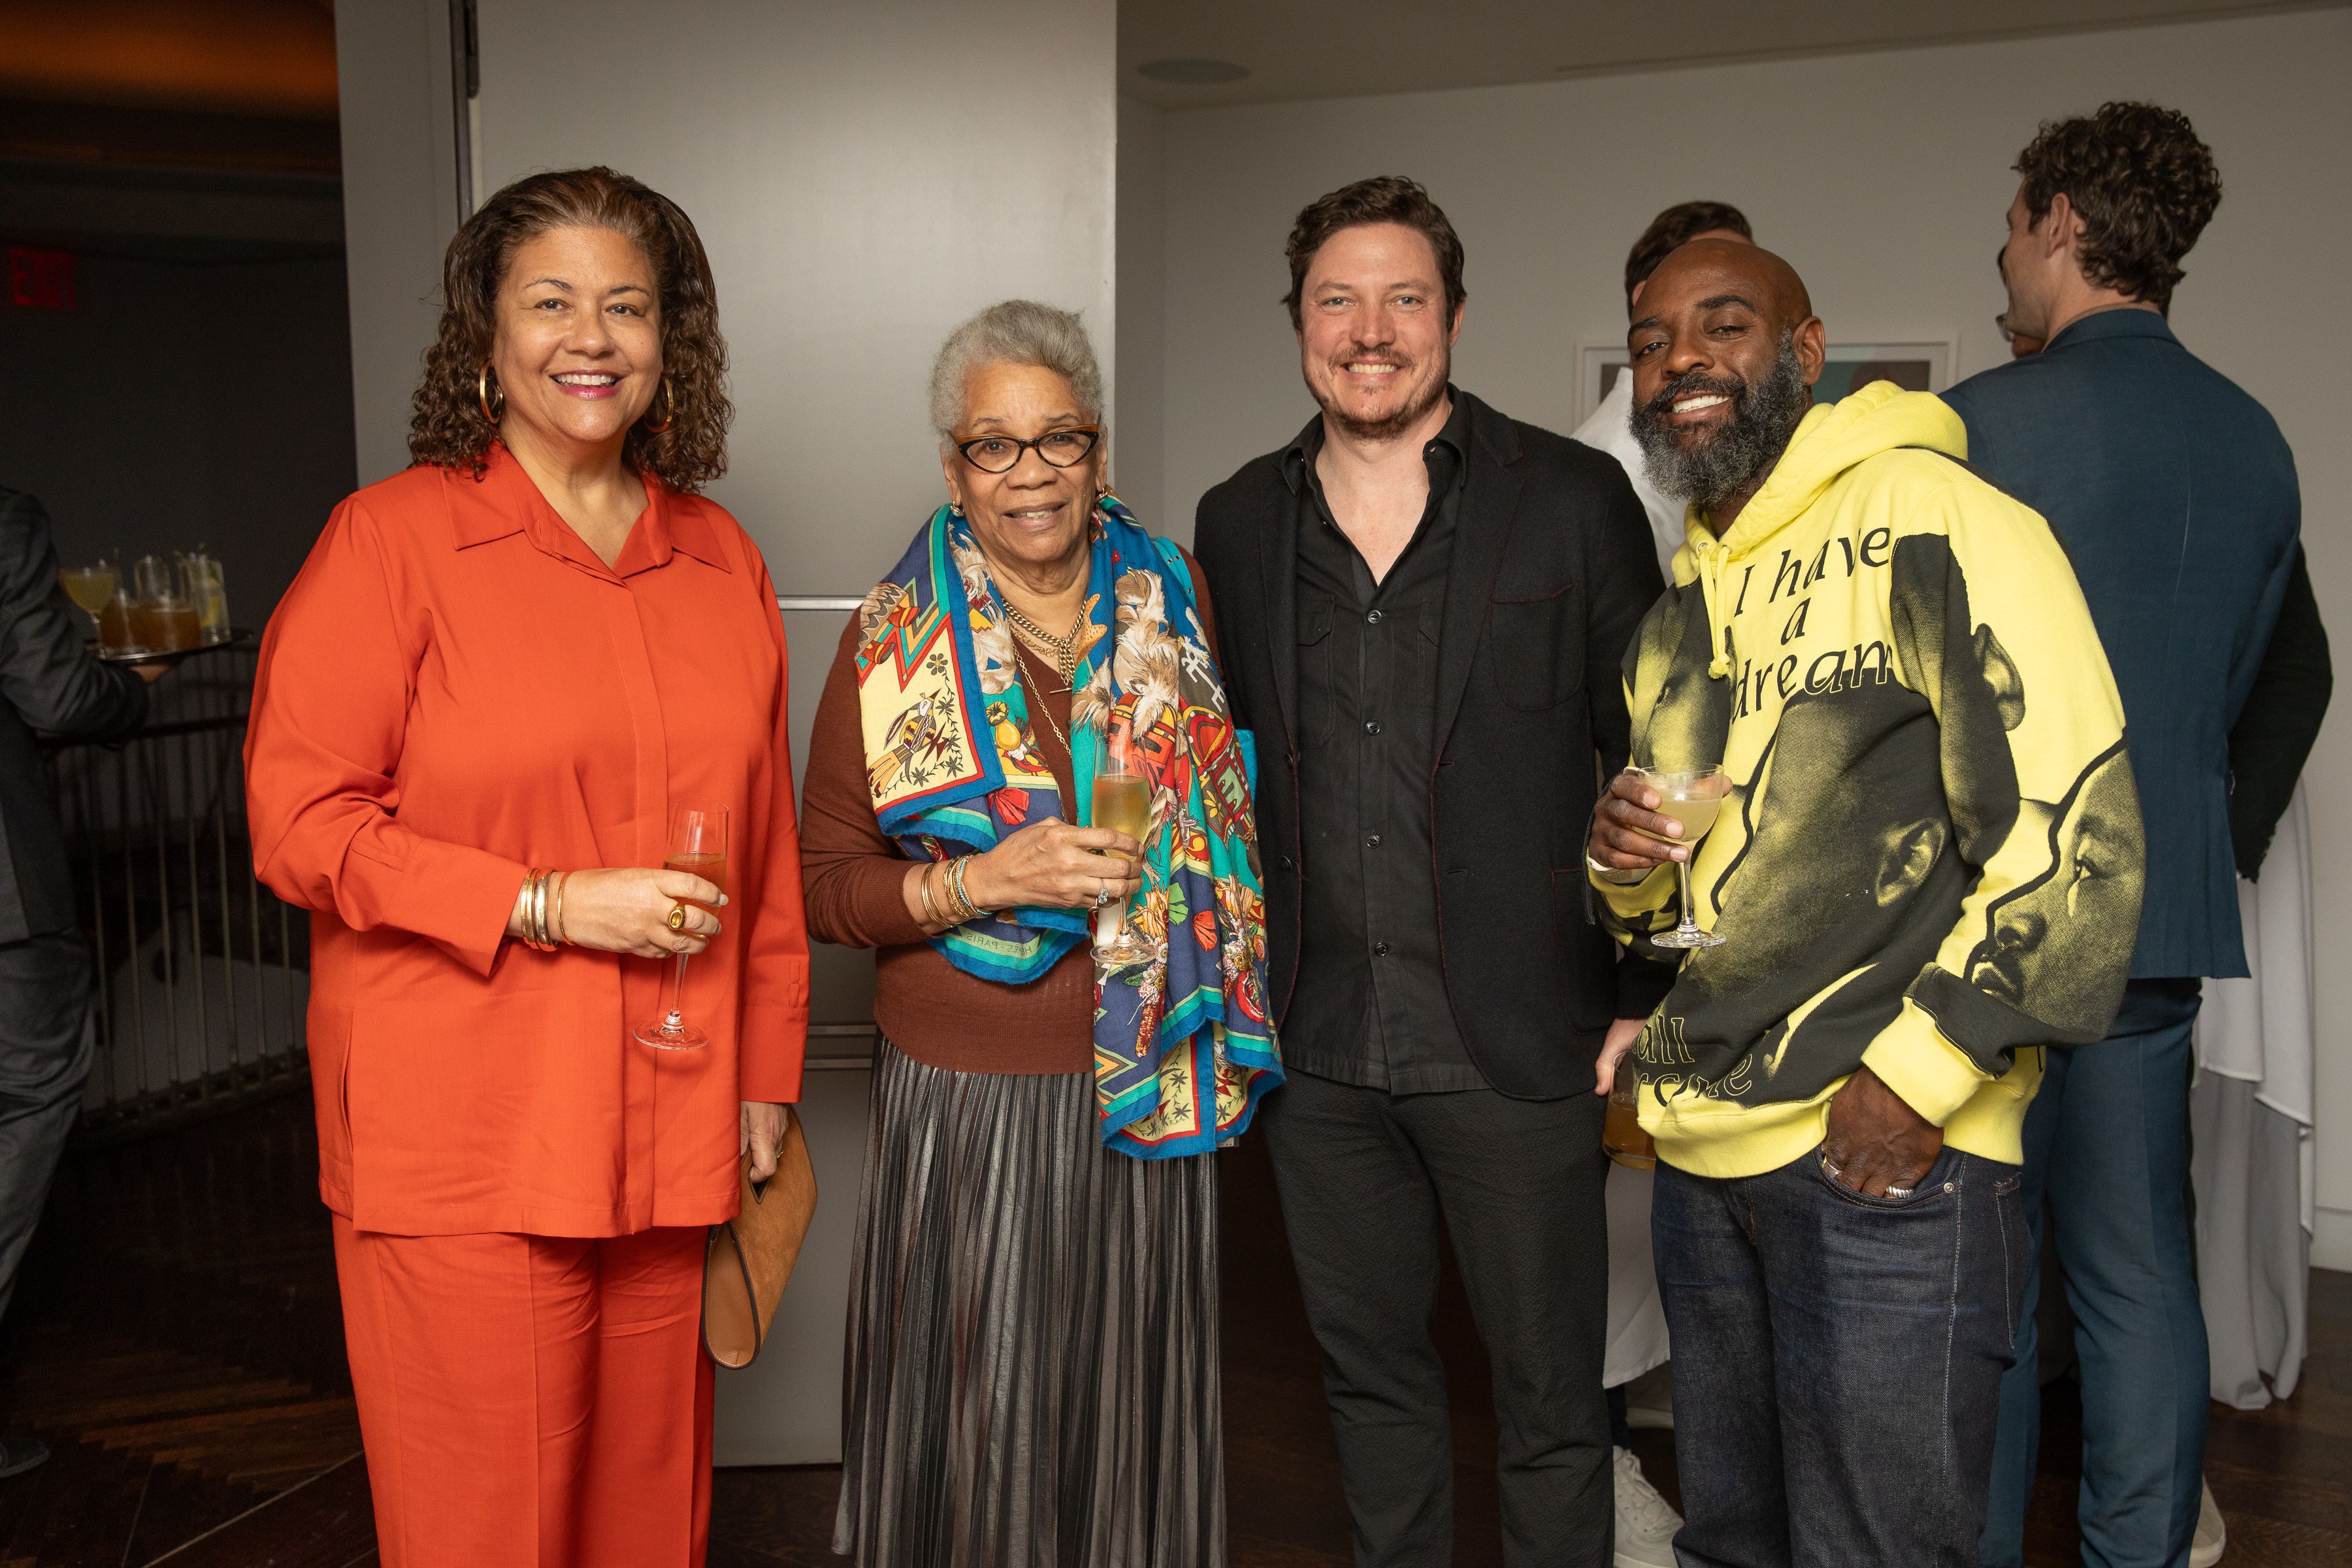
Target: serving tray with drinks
x: 168, y: 609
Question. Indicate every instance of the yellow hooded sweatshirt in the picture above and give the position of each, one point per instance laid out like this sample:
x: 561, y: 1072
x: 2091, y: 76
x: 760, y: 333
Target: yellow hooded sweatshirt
x: 1930, y: 858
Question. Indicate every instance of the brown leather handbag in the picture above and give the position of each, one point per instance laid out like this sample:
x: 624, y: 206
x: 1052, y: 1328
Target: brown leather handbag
x: 751, y: 1258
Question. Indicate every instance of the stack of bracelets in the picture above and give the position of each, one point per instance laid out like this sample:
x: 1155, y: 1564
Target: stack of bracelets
x: 953, y: 906
x: 543, y: 924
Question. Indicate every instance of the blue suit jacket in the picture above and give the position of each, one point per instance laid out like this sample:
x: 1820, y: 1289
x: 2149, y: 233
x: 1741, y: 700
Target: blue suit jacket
x: 2175, y: 495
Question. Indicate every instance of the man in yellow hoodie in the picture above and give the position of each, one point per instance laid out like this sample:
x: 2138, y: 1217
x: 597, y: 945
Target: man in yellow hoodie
x: 1925, y: 870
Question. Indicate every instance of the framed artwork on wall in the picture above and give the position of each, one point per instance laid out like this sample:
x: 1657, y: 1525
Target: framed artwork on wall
x: 1923, y: 364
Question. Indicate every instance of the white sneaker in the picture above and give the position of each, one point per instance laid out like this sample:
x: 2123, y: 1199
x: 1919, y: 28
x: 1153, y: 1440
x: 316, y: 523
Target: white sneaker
x: 1646, y: 1522
x: 2205, y: 1548
x: 1650, y: 1400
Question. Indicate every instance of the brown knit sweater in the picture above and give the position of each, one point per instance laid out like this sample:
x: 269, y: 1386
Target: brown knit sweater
x: 855, y: 880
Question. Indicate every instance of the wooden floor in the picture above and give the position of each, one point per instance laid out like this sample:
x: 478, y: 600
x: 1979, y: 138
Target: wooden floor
x: 177, y: 1343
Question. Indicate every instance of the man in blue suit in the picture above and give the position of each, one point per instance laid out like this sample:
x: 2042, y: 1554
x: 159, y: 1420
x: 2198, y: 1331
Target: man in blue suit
x: 2176, y: 497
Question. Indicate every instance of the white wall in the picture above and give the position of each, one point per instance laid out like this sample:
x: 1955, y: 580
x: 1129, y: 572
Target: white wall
x: 1138, y: 470
x: 1884, y: 179
x: 400, y: 204
x: 837, y: 160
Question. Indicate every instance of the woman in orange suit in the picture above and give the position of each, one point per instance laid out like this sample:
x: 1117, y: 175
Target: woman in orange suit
x: 496, y: 677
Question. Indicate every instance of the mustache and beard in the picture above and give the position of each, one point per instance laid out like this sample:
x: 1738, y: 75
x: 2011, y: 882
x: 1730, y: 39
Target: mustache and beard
x: 1407, y: 414
x: 1708, y: 467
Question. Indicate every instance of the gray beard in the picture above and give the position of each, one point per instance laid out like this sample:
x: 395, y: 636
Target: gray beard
x: 1763, y: 417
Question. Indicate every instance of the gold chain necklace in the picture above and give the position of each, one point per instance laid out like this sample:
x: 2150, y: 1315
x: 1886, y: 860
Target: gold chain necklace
x: 1022, y: 670
x: 1062, y: 651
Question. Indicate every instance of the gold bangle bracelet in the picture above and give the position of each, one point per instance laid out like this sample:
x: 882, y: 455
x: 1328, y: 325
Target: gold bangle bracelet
x: 923, y: 891
x: 534, y: 923
x: 965, y: 908
x: 555, y: 923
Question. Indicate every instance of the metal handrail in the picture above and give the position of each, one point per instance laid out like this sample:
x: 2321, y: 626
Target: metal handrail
x: 202, y: 973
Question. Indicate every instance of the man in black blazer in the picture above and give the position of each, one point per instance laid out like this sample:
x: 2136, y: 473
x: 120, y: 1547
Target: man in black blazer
x: 49, y: 682
x: 1422, y: 605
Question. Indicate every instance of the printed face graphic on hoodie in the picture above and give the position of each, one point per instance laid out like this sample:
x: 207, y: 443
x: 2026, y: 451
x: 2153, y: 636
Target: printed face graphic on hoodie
x: 2085, y: 909
x: 1931, y: 857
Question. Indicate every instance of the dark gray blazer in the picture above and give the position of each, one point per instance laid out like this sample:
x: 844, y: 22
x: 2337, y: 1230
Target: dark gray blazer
x: 2175, y: 494
x: 1553, y: 570
x: 49, y: 682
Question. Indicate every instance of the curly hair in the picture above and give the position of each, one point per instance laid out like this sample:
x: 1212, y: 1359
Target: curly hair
x: 2143, y: 182
x: 446, y: 423
x: 1015, y: 331
x: 1385, y: 198
x: 1675, y: 227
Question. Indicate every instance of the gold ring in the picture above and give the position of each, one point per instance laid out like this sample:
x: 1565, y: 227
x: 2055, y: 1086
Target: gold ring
x: 677, y: 917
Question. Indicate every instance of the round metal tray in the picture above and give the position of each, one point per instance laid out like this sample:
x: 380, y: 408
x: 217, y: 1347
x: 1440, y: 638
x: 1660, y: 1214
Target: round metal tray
x: 239, y: 638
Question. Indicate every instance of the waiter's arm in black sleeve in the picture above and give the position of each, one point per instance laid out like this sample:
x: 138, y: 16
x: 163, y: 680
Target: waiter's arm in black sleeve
x: 47, y: 674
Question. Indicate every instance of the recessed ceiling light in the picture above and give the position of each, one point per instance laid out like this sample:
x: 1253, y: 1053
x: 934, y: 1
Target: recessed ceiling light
x: 1193, y: 73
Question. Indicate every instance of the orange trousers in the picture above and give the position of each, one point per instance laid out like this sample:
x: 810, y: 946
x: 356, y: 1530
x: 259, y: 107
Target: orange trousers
x: 531, y: 1400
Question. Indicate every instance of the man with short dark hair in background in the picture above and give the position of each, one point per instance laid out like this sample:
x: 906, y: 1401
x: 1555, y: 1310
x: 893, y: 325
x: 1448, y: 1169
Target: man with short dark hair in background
x: 2176, y: 497
x: 49, y: 682
x: 1420, y: 601
x: 1609, y: 426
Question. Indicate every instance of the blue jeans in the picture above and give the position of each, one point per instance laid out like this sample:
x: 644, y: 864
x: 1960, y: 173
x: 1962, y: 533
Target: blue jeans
x: 2106, y: 1146
x: 1837, y: 1360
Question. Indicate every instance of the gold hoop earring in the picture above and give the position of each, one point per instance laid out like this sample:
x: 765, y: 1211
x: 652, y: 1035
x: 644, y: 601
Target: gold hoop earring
x: 669, y: 410
x: 482, y: 394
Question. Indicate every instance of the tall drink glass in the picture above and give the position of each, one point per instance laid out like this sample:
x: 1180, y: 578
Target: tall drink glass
x: 163, y: 620
x: 118, y: 626
x: 1622, y: 1137
x: 1691, y: 796
x: 697, y: 844
x: 205, y: 587
x: 1122, y: 803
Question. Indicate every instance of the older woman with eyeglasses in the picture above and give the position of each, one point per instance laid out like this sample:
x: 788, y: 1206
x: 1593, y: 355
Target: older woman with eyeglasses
x: 1033, y: 1349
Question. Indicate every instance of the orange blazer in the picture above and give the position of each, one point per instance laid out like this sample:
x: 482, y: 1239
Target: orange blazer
x: 454, y: 691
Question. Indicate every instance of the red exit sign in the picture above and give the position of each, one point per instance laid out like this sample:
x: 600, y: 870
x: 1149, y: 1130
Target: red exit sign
x: 40, y: 279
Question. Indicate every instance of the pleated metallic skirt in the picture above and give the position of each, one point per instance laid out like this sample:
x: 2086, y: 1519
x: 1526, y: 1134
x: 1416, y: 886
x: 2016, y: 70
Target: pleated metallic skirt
x: 1031, y: 1371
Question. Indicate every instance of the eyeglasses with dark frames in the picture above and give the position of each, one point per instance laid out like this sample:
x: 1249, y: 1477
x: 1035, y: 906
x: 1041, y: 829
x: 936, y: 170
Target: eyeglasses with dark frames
x: 1002, y: 454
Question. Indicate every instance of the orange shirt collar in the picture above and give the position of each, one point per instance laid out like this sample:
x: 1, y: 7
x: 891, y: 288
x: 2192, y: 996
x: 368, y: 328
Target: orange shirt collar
x: 505, y: 502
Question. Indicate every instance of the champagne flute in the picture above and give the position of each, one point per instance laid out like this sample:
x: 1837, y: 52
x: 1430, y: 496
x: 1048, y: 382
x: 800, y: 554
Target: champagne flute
x: 1122, y: 803
x: 1691, y: 796
x: 698, y: 845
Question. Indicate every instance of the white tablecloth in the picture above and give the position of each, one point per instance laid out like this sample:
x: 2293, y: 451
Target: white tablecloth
x: 2251, y: 1113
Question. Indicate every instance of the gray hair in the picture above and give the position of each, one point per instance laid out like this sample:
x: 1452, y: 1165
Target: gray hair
x: 1015, y: 331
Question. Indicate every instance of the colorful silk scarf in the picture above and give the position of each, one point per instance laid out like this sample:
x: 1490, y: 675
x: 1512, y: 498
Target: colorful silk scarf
x: 1183, y: 1045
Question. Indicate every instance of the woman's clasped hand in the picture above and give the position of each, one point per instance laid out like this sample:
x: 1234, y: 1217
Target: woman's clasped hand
x: 627, y: 909
x: 1050, y: 865
x: 1053, y: 865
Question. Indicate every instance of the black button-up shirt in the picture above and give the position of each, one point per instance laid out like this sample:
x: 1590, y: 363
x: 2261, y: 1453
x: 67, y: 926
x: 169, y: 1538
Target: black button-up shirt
x: 1371, y: 1005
